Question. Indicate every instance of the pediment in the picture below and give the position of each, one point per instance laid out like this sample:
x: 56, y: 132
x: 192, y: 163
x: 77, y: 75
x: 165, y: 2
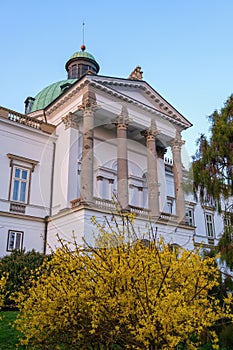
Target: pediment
x: 141, y: 92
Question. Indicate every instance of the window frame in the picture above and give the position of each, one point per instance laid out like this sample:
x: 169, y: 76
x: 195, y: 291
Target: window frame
x: 209, y: 223
x: 189, y: 219
x: 21, y: 181
x: 18, y: 233
x: 24, y: 164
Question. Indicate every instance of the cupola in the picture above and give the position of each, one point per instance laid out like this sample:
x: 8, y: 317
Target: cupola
x: 80, y: 63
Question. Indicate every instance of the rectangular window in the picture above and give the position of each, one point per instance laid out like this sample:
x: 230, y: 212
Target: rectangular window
x: 15, y: 240
x: 170, y: 205
x: 228, y: 220
x: 20, y: 181
x: 189, y: 216
x: 20, y: 184
x: 209, y: 219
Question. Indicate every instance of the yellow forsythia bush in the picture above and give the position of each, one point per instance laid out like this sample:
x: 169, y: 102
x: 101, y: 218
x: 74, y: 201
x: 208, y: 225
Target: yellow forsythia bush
x: 134, y: 293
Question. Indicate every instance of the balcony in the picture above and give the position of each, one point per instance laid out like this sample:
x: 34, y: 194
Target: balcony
x: 112, y: 206
x: 26, y: 120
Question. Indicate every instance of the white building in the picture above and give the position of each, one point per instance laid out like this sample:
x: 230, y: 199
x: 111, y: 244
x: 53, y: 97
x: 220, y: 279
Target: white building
x: 80, y: 141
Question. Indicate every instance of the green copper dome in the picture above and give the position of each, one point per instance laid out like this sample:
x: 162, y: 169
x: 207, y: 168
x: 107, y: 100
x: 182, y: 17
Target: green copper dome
x: 49, y: 94
x: 82, y: 54
x: 78, y: 65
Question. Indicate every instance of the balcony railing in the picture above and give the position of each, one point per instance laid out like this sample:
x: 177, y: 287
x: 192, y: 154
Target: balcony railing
x: 110, y: 205
x: 167, y: 217
x: 26, y: 120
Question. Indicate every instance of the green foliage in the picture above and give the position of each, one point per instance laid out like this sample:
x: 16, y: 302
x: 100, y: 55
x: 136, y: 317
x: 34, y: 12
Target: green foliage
x: 18, y: 266
x: 225, y: 247
x: 213, y: 163
x: 226, y: 338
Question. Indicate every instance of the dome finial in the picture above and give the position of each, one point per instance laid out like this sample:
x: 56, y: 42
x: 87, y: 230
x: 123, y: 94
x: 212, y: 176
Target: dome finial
x: 83, y: 47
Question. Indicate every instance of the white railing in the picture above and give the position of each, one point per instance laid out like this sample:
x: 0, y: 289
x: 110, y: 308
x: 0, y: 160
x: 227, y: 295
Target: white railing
x: 26, y: 120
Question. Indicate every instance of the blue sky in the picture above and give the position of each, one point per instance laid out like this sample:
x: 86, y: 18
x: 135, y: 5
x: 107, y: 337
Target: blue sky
x: 184, y: 48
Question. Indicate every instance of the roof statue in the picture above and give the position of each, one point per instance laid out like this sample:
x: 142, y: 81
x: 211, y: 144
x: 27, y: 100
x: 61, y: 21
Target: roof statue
x: 136, y: 74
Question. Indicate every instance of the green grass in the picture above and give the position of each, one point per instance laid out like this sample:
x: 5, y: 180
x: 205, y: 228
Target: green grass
x: 9, y: 336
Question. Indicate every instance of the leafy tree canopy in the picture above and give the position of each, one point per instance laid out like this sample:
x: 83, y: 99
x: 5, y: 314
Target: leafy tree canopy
x: 213, y: 162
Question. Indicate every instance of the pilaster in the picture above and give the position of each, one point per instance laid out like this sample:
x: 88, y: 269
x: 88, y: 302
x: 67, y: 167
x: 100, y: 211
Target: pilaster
x: 69, y: 161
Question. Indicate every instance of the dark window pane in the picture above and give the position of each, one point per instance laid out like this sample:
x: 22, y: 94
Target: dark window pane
x: 16, y: 190
x: 18, y: 240
x: 23, y: 192
x: 17, y: 172
x: 24, y: 174
x: 11, y: 240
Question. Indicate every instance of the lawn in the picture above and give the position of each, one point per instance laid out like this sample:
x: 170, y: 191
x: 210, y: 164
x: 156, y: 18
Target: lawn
x: 8, y: 335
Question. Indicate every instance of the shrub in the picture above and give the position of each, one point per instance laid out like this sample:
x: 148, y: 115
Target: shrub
x: 19, y: 266
x: 134, y: 292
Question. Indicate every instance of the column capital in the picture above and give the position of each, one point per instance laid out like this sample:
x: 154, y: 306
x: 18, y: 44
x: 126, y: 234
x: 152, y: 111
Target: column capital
x: 152, y: 131
x: 88, y: 108
x: 70, y: 121
x: 177, y: 142
x: 123, y: 119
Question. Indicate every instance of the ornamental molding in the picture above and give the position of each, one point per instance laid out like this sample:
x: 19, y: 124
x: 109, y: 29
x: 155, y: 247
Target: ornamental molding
x: 149, y: 91
x: 152, y: 131
x: 123, y: 119
x: 171, y: 118
x: 18, y: 160
x: 71, y: 121
x: 177, y: 142
x: 100, y: 83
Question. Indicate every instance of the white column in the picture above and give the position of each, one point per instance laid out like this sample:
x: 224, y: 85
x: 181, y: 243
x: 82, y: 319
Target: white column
x: 88, y: 109
x: 87, y: 156
x: 121, y: 123
x: 152, y: 171
x: 176, y: 145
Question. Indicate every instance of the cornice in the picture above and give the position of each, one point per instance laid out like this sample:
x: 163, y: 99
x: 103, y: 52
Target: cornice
x: 22, y: 216
x: 61, y: 100
x: 28, y: 129
x: 173, y: 119
x: 149, y: 91
x: 101, y: 82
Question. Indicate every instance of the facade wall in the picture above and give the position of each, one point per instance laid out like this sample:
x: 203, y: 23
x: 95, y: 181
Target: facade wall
x: 20, y: 147
x: 55, y: 166
x: 32, y: 233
